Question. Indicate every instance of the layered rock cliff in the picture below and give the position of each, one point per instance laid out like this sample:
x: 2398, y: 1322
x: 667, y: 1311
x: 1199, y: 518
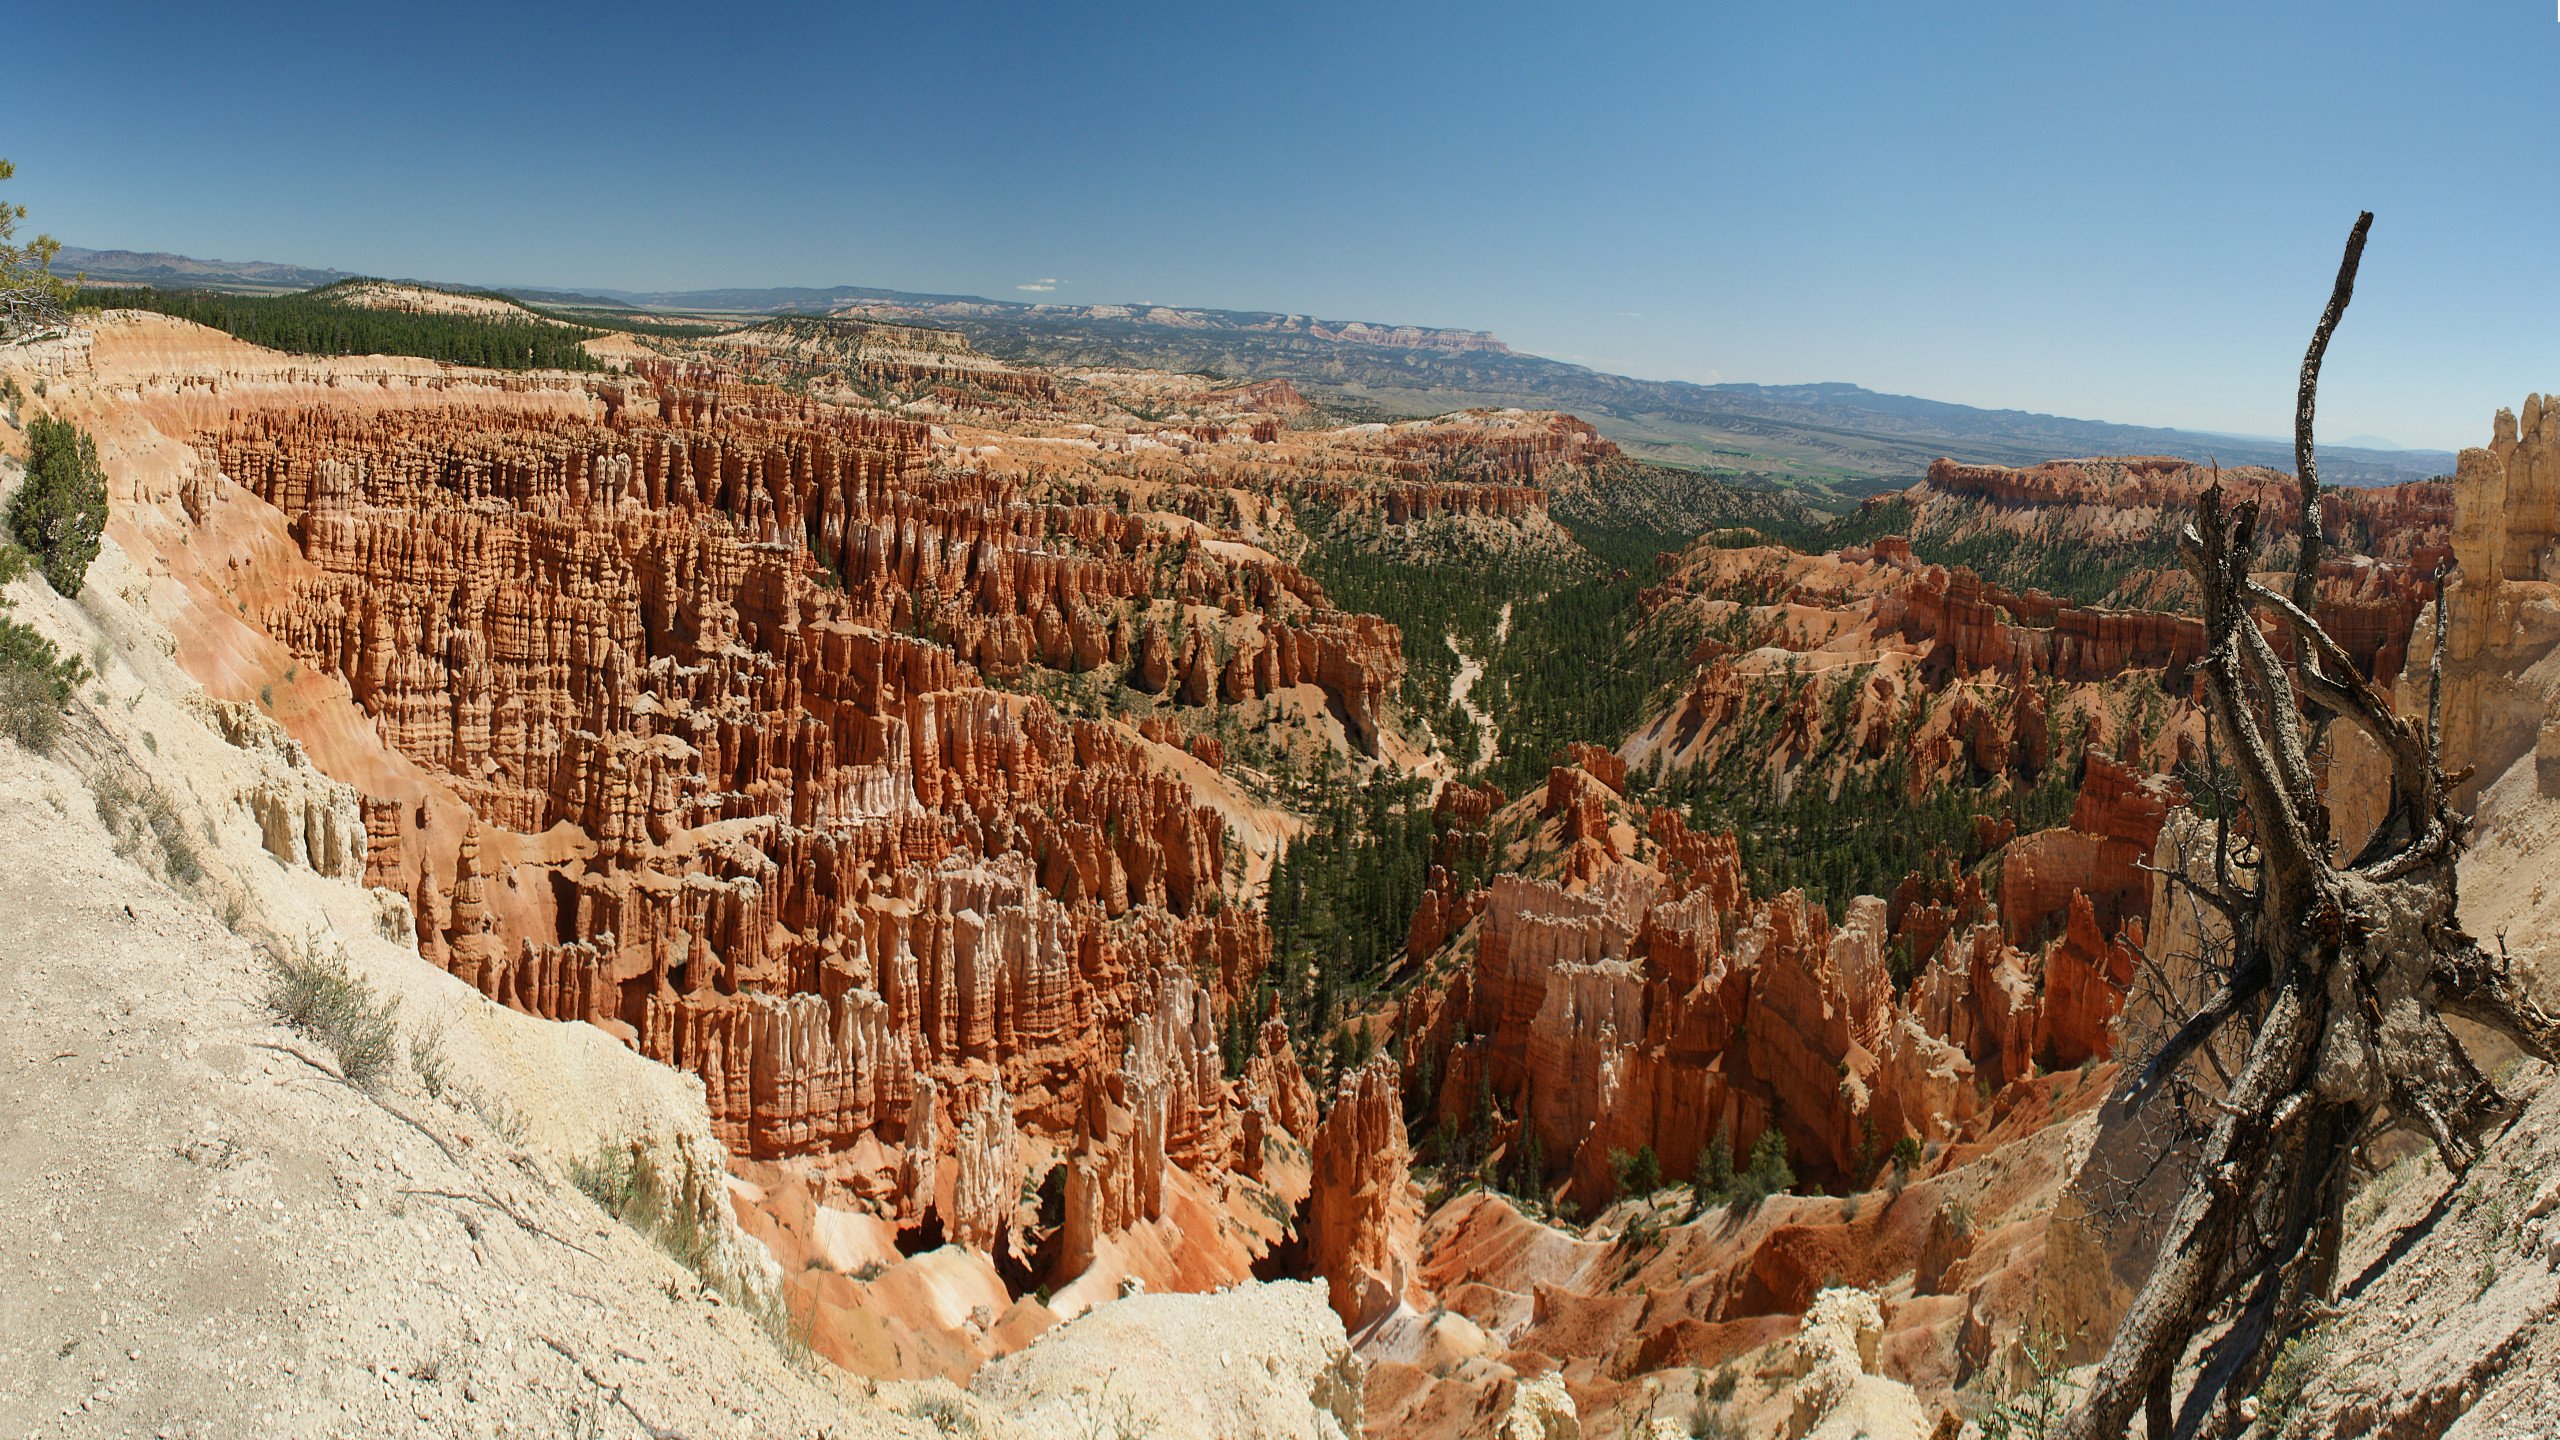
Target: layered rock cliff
x: 2502, y: 603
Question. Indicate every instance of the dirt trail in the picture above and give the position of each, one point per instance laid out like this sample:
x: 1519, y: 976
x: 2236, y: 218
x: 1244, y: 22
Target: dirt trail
x: 1462, y: 685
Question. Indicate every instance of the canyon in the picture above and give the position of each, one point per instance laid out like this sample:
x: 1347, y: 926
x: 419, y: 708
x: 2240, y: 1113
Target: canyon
x: 895, y: 747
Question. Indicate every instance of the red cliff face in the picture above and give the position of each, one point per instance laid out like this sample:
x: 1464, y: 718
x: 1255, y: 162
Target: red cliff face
x: 2088, y: 883
x: 1623, y: 1018
x: 1405, y: 502
x: 1167, y: 1104
x: 2368, y: 607
x: 1491, y: 464
x: 1976, y: 626
x: 1494, y: 445
x: 2385, y: 543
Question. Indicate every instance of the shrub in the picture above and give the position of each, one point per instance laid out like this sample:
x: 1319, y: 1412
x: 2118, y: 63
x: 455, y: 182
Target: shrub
x: 609, y: 1177
x: 317, y: 995
x: 2034, y: 1409
x: 60, y: 510
x: 427, y: 1057
x: 1637, y: 1175
x: 134, y: 816
x: 1713, y: 1179
x: 948, y: 1414
x: 1709, y: 1422
x: 26, y: 268
x: 2300, y: 1362
x: 627, y: 1183
x: 35, y: 684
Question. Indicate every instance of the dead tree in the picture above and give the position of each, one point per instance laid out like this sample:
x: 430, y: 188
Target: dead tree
x: 2340, y: 974
x: 29, y: 311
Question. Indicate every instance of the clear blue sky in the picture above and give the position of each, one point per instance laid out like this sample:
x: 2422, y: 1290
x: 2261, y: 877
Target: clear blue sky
x: 2120, y: 211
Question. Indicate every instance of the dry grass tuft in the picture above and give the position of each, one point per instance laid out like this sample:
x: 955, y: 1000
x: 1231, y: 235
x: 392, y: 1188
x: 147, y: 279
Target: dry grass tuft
x: 317, y: 995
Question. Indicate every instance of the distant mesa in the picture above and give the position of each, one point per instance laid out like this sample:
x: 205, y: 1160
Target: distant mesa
x: 1832, y: 439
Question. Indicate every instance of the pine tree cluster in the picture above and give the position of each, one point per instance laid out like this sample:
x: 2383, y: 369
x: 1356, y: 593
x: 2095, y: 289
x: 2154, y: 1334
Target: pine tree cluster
x: 315, y: 322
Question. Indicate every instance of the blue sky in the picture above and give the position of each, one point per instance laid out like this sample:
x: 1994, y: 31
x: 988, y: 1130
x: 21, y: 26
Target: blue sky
x: 2125, y: 212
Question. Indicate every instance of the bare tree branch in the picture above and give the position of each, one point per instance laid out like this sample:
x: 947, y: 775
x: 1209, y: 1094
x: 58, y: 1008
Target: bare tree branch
x: 2306, y: 464
x: 29, y: 311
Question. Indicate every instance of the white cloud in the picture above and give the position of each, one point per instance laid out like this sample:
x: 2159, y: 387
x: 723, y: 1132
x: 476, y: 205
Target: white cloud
x: 1045, y: 282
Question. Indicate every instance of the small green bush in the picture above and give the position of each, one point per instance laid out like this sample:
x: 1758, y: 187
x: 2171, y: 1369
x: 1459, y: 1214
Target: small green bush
x: 609, y: 1177
x: 36, y: 682
x: 1637, y: 1175
x: 60, y: 510
x: 1713, y: 1179
x: 427, y: 1058
x: 1717, y: 1183
x: 625, y: 1181
x: 627, y: 1184
x: 2034, y: 1409
x: 948, y: 1414
x: 317, y: 995
x: 1709, y: 1422
x: 2301, y: 1361
x: 135, y: 816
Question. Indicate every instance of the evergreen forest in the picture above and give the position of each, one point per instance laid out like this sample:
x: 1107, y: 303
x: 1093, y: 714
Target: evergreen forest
x: 315, y: 322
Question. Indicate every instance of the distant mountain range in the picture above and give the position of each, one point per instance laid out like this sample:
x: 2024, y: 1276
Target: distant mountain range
x: 137, y: 267
x: 1833, y: 437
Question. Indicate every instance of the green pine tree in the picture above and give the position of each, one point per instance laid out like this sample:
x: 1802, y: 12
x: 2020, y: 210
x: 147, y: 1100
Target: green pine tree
x: 1713, y: 1179
x: 1770, y: 1174
x: 60, y: 510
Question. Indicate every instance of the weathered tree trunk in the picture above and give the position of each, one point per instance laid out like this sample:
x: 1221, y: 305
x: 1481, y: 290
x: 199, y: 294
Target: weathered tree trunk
x: 2345, y: 971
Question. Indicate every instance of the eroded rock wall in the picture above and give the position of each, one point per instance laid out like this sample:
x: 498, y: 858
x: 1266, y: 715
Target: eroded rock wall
x: 1630, y: 1005
x: 2502, y: 604
x: 691, y: 683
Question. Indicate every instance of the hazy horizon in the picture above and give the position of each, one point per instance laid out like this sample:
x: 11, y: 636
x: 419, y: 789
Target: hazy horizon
x: 2121, y: 217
